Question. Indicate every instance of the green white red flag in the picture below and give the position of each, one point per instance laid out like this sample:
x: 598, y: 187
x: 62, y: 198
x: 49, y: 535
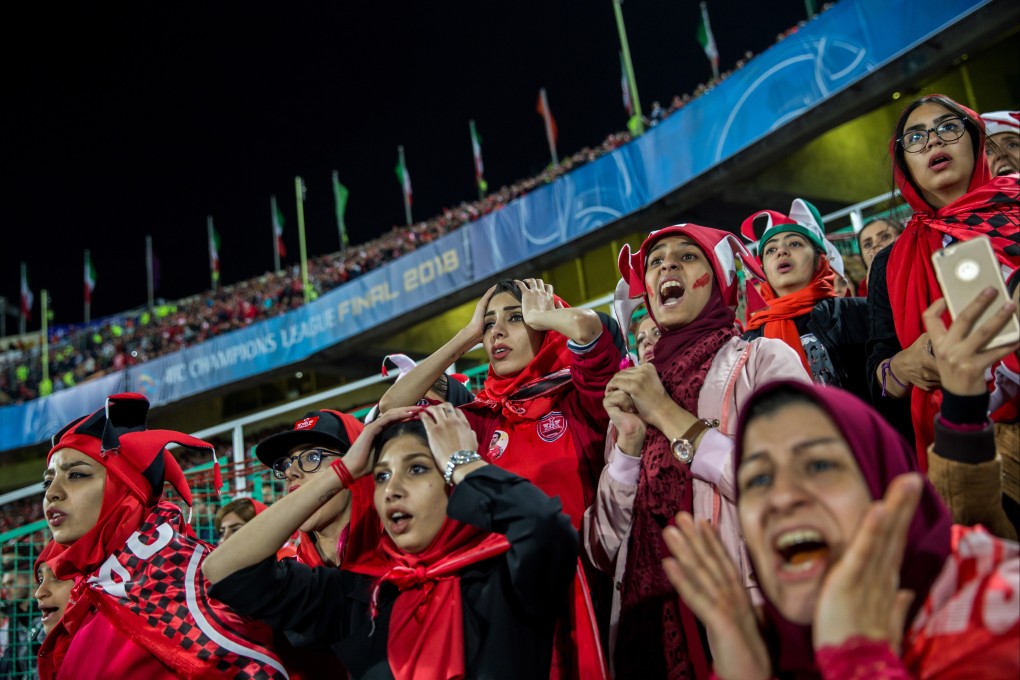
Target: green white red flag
x: 628, y: 102
x: 404, y: 177
x: 281, y: 249
x: 340, y: 195
x: 707, y: 40
x: 476, y: 149
x: 90, y: 277
x: 27, y: 299
x: 551, y: 132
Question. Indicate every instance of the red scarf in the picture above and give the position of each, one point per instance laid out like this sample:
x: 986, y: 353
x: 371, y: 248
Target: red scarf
x: 658, y: 634
x: 778, y: 317
x: 991, y: 207
x: 508, y: 395
x: 426, y: 632
x: 156, y: 575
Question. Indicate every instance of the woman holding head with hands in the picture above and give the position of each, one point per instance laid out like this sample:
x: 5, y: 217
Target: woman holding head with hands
x: 456, y: 571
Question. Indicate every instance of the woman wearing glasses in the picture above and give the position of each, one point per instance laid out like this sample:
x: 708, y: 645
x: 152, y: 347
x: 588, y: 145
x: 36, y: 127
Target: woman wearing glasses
x: 297, y: 457
x: 938, y: 153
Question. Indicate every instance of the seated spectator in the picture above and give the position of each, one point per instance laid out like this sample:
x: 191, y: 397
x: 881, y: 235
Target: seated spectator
x: 674, y: 418
x: 130, y: 614
x: 934, y: 133
x: 16, y: 656
x: 803, y: 308
x: 238, y: 512
x: 463, y: 584
x: 1003, y: 143
x: 873, y: 237
x: 52, y: 594
x: 860, y: 563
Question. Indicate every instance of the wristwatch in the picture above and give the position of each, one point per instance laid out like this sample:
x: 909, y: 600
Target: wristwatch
x: 457, y: 459
x: 683, y: 446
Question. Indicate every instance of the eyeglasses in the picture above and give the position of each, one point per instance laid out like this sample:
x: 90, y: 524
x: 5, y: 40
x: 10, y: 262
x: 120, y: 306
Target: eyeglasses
x: 308, y: 461
x: 948, y: 130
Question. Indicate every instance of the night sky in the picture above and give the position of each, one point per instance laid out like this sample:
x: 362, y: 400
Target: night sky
x: 144, y: 118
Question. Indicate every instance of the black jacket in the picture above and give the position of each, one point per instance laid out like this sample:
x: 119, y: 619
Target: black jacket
x: 841, y: 325
x: 884, y: 344
x: 511, y: 602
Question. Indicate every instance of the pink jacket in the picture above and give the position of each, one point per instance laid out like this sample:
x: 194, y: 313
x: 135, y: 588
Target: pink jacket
x: 738, y: 369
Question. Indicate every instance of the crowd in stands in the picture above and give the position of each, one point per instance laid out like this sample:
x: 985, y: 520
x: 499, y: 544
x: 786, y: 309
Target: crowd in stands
x: 825, y: 487
x: 80, y: 354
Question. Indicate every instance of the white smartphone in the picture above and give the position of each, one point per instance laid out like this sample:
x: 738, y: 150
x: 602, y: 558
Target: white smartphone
x: 966, y: 268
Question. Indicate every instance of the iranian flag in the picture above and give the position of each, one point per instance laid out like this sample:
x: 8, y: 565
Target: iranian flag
x: 90, y: 277
x: 277, y: 228
x: 551, y: 132
x: 404, y: 178
x: 214, y: 252
x: 707, y: 40
x: 27, y: 299
x: 476, y: 149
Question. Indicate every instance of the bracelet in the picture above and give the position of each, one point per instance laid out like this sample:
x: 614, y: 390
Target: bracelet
x: 346, y: 478
x: 887, y: 370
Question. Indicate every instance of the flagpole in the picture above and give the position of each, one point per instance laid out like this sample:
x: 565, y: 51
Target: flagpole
x: 299, y: 189
x: 547, y: 117
x: 88, y: 295
x: 150, y: 288
x: 403, y: 190
x: 639, y: 121
x: 45, y: 386
x: 272, y: 226
x: 212, y: 263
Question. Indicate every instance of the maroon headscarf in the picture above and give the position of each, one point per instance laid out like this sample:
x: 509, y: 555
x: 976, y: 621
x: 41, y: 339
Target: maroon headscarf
x: 882, y: 455
x: 658, y: 634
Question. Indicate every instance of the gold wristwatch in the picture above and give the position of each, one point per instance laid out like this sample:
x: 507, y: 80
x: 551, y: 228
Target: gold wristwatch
x: 683, y: 446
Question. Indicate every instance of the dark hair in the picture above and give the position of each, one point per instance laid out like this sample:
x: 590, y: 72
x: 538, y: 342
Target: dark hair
x: 895, y: 224
x: 972, y: 125
x: 242, y: 507
x: 775, y: 400
x: 508, y: 286
x: 412, y: 427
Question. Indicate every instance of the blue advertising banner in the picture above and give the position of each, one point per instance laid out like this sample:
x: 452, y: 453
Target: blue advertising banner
x: 827, y: 55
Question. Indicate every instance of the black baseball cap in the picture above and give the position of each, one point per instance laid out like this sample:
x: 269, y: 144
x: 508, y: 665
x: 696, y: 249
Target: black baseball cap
x: 326, y: 428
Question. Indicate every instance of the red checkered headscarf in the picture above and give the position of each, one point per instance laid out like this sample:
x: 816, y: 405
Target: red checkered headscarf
x: 991, y: 207
x: 137, y: 464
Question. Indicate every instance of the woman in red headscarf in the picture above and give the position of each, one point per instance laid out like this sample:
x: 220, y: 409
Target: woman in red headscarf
x: 539, y: 414
x: 461, y: 579
x: 938, y: 153
x: 863, y: 571
x: 674, y: 419
x: 140, y: 607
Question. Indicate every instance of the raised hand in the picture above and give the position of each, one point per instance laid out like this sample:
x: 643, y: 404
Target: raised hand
x: 358, y: 458
x: 707, y: 580
x: 536, y: 300
x: 476, y: 326
x: 448, y: 431
x: 959, y: 358
x: 861, y: 595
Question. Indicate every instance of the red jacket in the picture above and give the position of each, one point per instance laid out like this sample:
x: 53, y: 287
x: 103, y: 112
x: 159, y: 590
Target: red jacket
x: 562, y: 452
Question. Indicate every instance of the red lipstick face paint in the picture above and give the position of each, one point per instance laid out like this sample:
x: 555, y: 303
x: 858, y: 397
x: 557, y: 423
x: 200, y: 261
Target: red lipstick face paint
x: 702, y: 281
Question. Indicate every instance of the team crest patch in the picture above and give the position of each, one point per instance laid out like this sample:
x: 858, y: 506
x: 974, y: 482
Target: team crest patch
x: 306, y: 423
x: 552, y: 426
x: 498, y: 444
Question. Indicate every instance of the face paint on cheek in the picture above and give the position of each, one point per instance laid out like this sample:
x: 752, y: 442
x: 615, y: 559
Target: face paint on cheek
x: 702, y: 281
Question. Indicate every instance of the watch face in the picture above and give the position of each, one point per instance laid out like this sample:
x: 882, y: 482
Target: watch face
x: 682, y: 450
